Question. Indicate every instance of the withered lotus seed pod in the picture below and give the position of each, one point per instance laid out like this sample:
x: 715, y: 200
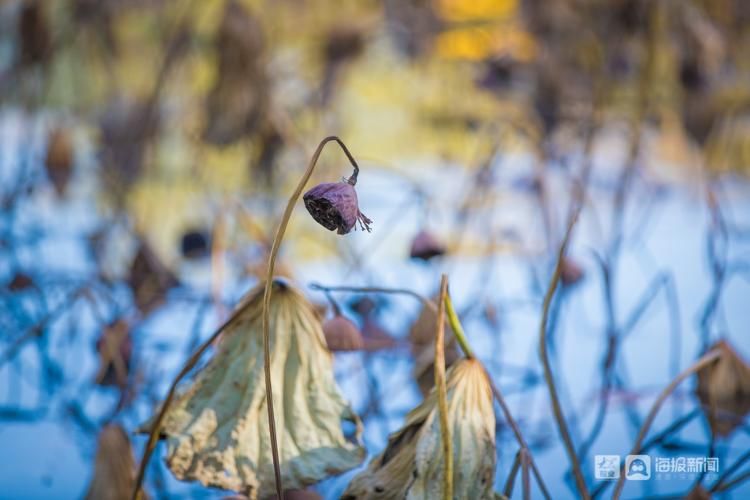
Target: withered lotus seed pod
x: 724, y: 390
x: 570, y: 272
x: 334, y: 205
x: 425, y: 246
x: 342, y: 334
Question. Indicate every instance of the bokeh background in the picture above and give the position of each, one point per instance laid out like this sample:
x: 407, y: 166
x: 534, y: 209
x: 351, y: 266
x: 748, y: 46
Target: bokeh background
x: 147, y: 148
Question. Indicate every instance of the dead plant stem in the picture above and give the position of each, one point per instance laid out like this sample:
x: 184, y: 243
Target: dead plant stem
x: 556, y: 407
x: 704, y: 360
x: 442, y: 391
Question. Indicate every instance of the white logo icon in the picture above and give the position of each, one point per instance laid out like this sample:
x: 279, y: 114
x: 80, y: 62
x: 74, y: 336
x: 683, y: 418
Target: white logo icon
x: 607, y: 466
x: 638, y: 467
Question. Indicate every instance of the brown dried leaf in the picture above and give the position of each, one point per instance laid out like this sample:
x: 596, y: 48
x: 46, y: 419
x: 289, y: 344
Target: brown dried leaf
x: 217, y: 429
x: 411, y: 466
x: 724, y: 390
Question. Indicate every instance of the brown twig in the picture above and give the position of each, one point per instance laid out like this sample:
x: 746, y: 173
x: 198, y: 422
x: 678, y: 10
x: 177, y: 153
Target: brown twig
x: 556, y: 407
x: 519, y: 437
x: 707, y: 358
x: 442, y: 391
x: 525, y: 479
x: 511, y: 481
x: 371, y: 289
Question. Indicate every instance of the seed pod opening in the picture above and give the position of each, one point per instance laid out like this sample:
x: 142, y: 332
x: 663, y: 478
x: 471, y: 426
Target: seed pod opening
x: 342, y: 334
x: 724, y: 390
x: 217, y: 429
x: 425, y: 246
x: 412, y: 466
x: 334, y: 205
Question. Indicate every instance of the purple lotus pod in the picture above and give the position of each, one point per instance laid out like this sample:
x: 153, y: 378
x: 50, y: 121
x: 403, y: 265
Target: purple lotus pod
x: 334, y: 205
x: 426, y: 246
x: 570, y: 272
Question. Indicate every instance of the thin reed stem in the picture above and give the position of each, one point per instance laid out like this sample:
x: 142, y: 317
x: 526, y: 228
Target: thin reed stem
x: 511, y: 481
x: 442, y: 391
x: 706, y: 359
x: 525, y: 476
x: 370, y: 289
x: 556, y: 407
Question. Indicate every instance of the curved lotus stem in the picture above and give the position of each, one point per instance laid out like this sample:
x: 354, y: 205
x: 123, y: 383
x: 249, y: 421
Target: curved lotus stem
x: 267, y: 291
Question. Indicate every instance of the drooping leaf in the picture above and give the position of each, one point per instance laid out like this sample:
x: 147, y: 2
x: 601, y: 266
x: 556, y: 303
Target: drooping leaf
x: 217, y: 430
x: 412, y: 465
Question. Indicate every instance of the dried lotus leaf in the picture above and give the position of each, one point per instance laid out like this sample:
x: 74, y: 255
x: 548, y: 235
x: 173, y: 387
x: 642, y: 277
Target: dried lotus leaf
x: 412, y: 466
x: 217, y: 430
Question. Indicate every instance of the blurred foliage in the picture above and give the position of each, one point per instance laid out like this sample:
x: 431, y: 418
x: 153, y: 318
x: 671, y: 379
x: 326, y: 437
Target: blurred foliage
x: 226, y: 98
